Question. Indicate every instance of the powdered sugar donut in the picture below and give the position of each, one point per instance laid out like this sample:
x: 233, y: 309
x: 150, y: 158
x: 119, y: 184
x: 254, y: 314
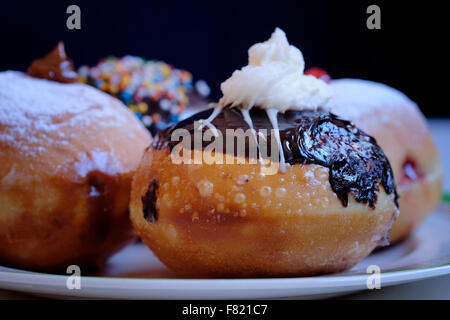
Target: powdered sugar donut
x: 402, y: 132
x: 68, y: 153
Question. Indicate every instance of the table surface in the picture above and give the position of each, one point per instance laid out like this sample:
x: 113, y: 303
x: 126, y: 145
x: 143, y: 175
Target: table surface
x: 435, y: 288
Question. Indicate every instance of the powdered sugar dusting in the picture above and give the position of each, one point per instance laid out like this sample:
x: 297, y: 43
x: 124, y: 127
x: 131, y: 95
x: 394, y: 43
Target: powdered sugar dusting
x: 356, y: 98
x: 97, y: 160
x: 34, y: 112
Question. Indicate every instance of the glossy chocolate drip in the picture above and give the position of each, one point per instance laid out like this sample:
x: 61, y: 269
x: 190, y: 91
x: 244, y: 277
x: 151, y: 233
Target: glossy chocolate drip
x: 355, y: 161
x: 149, y: 202
x: 55, y: 66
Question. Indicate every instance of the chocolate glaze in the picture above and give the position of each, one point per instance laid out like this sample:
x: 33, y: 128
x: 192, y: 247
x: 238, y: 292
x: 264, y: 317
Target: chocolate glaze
x: 149, y: 202
x: 355, y: 161
x: 54, y: 66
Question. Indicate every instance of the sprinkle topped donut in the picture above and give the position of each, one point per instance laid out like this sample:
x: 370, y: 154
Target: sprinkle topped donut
x: 155, y: 91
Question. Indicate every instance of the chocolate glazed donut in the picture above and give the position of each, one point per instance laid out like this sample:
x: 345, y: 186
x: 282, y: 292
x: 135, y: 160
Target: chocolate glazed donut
x: 229, y: 220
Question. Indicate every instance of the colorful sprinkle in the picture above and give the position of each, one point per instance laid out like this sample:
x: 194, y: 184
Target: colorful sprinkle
x: 155, y: 91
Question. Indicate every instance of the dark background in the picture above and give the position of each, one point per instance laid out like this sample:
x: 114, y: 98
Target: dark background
x: 211, y: 38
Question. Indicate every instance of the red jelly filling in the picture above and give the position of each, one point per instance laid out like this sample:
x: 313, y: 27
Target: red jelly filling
x: 411, y: 172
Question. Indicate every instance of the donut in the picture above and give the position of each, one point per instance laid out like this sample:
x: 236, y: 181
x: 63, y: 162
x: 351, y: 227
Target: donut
x: 229, y: 220
x: 402, y: 132
x: 68, y: 154
x: 155, y: 91
x: 297, y: 191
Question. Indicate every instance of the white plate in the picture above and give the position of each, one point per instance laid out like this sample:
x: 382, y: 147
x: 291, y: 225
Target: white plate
x: 134, y: 273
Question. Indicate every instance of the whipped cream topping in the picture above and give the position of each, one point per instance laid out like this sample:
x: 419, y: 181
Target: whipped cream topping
x: 274, y: 79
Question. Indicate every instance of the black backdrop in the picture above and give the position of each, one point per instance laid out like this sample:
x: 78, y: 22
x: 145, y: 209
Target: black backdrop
x: 211, y: 38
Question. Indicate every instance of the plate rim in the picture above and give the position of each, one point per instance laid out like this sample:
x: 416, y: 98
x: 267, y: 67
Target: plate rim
x: 322, y: 278
x: 54, y: 286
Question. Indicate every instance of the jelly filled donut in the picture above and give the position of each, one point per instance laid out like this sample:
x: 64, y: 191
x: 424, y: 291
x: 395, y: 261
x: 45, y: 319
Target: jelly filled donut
x: 401, y: 130
x: 328, y: 204
x: 68, y: 154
